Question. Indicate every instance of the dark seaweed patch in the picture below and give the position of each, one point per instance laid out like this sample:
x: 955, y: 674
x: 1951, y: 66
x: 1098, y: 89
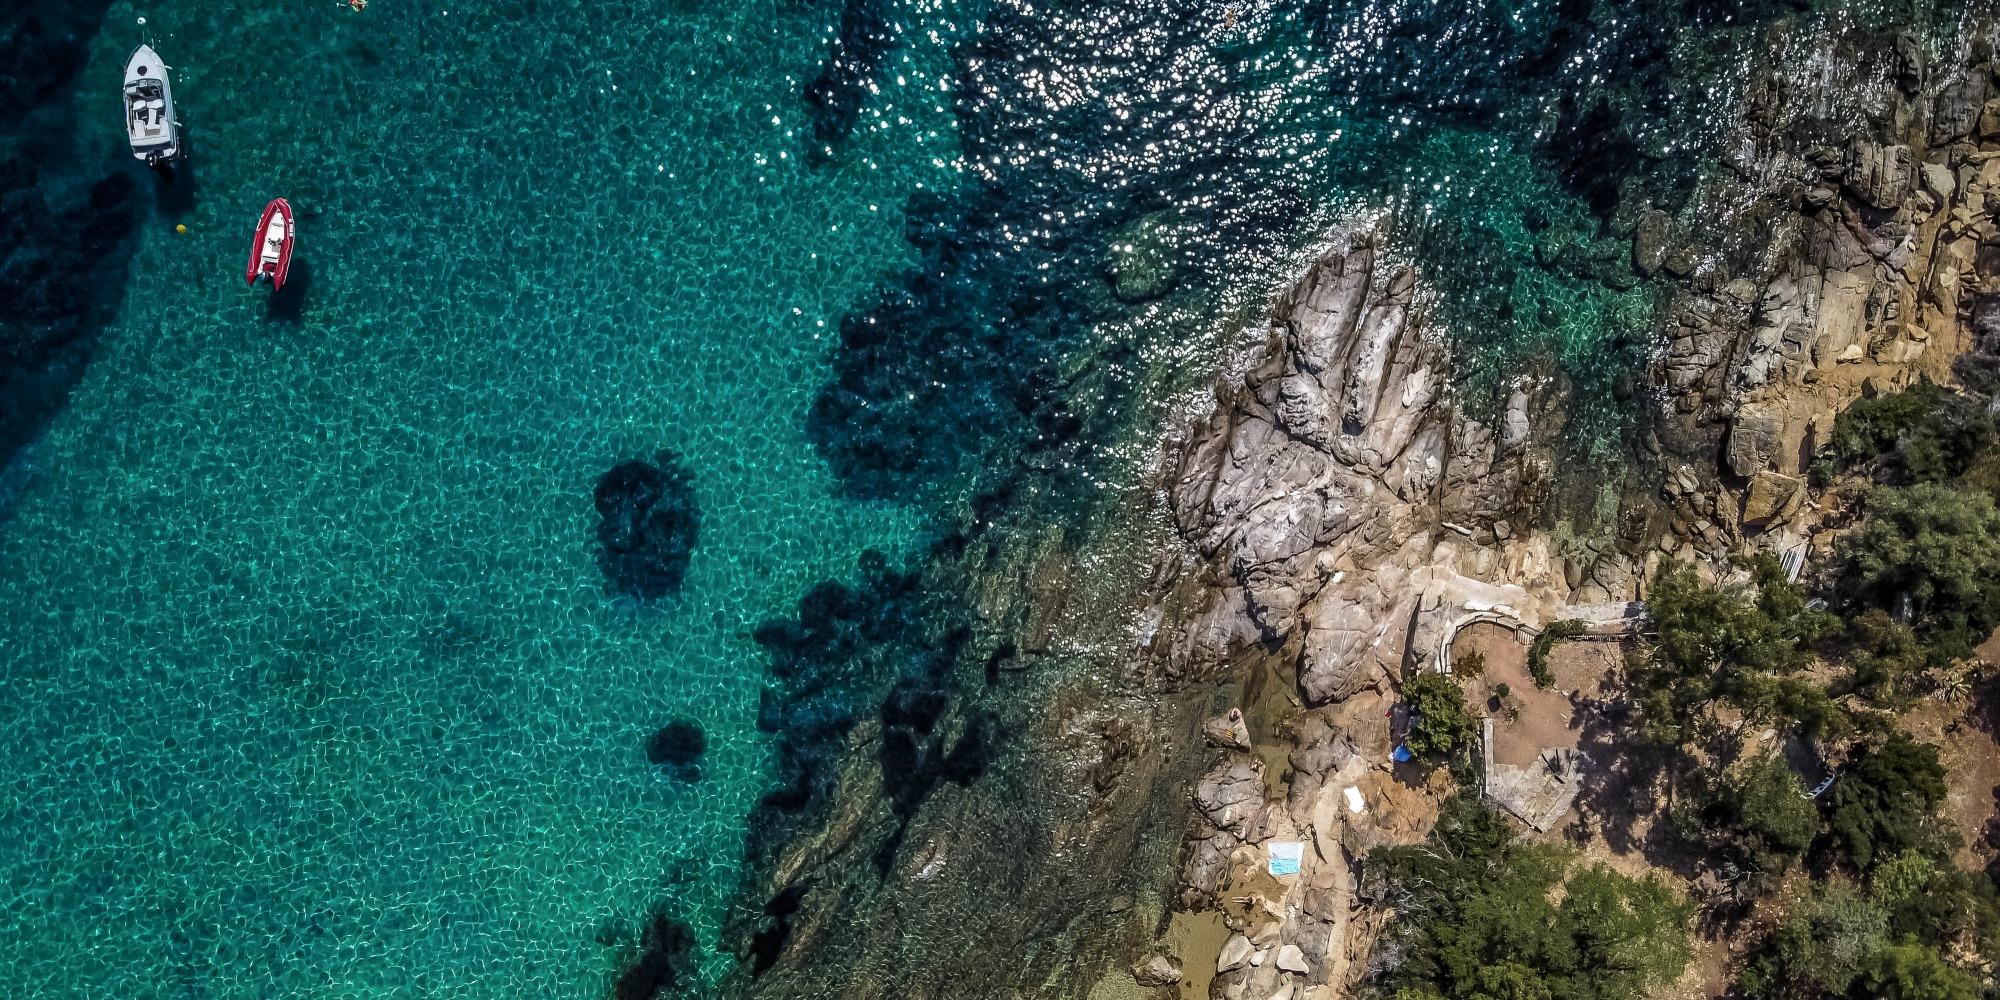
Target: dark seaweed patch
x: 1592, y: 153
x: 649, y: 525
x: 678, y: 747
x: 847, y: 78
x: 888, y: 643
x: 68, y: 218
x: 917, y: 756
x: 666, y: 958
x: 829, y: 663
x: 768, y: 943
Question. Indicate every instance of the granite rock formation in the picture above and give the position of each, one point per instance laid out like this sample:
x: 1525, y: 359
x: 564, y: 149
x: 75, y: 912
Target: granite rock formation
x: 1338, y: 493
x: 1335, y: 515
x: 1350, y: 517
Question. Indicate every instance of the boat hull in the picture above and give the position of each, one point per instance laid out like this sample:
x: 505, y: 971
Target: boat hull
x: 271, y: 248
x: 150, y: 128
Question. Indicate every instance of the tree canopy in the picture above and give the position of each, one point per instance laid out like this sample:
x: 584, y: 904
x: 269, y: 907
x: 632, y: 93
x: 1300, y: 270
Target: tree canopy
x: 1923, y: 434
x: 1933, y: 553
x: 1887, y: 938
x: 1742, y: 643
x: 1488, y: 918
x: 1886, y: 800
x: 1759, y: 812
x: 1442, y: 726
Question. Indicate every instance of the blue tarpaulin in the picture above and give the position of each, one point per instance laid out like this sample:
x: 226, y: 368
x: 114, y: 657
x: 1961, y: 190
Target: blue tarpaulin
x: 1285, y: 856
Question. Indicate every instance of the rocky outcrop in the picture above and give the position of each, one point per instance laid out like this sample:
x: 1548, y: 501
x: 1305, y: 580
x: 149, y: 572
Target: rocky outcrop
x: 1838, y: 269
x: 1337, y: 516
x: 1353, y: 516
x: 1341, y: 496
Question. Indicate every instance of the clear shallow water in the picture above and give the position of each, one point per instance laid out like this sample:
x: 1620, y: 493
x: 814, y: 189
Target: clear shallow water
x: 309, y: 685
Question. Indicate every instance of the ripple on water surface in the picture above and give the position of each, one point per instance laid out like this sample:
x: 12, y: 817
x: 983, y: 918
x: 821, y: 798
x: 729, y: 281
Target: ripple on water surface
x: 312, y: 685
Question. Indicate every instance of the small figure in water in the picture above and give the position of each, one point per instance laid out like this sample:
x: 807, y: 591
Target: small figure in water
x: 355, y: 5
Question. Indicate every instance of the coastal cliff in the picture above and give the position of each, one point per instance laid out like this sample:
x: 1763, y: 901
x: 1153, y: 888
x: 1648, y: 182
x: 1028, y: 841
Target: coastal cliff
x: 1325, y: 526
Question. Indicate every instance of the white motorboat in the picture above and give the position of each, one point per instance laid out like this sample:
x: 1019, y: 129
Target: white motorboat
x: 149, y: 109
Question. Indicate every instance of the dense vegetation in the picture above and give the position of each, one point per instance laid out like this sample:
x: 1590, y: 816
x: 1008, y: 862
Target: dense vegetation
x: 1440, y: 725
x: 1756, y: 814
x: 1486, y: 916
x: 1745, y: 645
x: 1929, y: 553
x: 1916, y: 583
x: 1888, y: 937
x: 1924, y: 434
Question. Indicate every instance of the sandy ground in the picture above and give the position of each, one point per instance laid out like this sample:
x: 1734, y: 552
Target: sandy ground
x: 1963, y: 734
x: 1530, y: 720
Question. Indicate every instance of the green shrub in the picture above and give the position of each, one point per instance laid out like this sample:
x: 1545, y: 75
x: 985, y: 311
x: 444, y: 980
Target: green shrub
x: 1884, y: 660
x: 1938, y: 905
x: 1924, y: 434
x: 1912, y: 971
x: 1440, y: 726
x: 1741, y: 643
x: 1761, y: 811
x: 1887, y: 940
x: 1821, y: 946
x: 1538, y: 652
x: 1483, y: 916
x: 1939, y: 549
x: 1885, y: 802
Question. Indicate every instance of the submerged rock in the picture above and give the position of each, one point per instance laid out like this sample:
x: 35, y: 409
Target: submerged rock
x: 846, y: 79
x: 650, y: 524
x: 666, y: 957
x: 678, y: 746
x: 1649, y: 242
x: 1141, y: 266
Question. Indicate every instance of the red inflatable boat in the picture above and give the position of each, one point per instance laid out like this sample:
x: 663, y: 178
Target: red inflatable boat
x: 271, y: 254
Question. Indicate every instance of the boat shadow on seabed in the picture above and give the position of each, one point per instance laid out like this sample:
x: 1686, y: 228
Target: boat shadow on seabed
x: 288, y: 304
x: 175, y: 188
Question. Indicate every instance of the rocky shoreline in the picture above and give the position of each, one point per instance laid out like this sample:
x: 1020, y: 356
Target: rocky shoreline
x: 1336, y: 516
x: 1357, y: 521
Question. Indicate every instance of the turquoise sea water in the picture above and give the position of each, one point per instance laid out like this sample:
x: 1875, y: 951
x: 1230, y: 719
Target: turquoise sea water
x: 309, y: 683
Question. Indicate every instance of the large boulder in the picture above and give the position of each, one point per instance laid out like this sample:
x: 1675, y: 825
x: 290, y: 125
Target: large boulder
x: 1769, y: 494
x: 1753, y: 439
x: 1158, y: 970
x: 1958, y: 106
x: 1231, y: 796
x: 1879, y: 175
